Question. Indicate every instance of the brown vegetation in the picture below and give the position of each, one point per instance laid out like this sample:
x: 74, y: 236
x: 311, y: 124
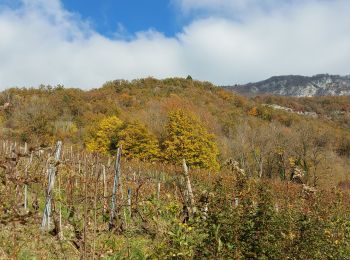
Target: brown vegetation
x: 262, y: 182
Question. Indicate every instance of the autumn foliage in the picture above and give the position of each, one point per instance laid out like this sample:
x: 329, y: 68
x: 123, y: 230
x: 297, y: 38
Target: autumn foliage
x: 269, y: 175
x: 248, y: 130
x: 138, y: 143
x: 104, y: 138
x: 188, y: 139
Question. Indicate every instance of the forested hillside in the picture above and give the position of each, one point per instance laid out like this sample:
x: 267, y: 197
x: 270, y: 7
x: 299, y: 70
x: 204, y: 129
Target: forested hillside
x: 262, y: 139
x: 200, y: 173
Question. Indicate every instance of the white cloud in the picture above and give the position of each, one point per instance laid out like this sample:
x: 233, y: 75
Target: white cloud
x: 40, y: 42
x: 237, y: 8
x: 310, y: 39
x: 188, y: 5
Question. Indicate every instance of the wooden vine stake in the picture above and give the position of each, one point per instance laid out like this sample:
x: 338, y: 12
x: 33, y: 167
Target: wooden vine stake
x: 129, y: 201
x: 236, y: 202
x: 52, y: 169
x: 26, y: 176
x: 115, y: 187
x: 158, y: 189
x: 190, y: 197
x: 105, y: 203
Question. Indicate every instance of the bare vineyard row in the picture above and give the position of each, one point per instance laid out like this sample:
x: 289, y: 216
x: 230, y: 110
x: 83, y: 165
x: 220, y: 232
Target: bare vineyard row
x: 72, y: 189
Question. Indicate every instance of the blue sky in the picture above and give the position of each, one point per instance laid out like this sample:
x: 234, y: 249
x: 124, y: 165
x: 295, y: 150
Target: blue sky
x: 84, y: 43
x: 127, y: 16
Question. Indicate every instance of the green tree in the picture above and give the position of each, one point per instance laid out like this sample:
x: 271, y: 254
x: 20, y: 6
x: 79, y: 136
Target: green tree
x: 138, y: 143
x: 188, y: 139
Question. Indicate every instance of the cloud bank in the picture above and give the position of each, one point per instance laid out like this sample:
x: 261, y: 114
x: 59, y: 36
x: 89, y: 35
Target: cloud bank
x: 226, y: 42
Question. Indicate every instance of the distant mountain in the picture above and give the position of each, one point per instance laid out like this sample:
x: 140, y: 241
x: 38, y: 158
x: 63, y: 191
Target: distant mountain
x: 299, y: 86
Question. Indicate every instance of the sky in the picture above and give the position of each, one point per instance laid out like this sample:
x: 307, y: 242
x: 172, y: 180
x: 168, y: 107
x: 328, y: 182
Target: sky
x: 84, y: 43
x: 126, y: 16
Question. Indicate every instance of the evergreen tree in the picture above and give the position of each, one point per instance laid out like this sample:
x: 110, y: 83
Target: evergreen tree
x: 188, y: 139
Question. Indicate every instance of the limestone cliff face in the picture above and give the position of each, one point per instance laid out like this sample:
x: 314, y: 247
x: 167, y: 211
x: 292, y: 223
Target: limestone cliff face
x: 299, y: 86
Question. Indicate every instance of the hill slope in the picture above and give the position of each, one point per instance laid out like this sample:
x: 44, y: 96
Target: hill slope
x: 300, y: 86
x: 254, y: 206
x: 248, y: 130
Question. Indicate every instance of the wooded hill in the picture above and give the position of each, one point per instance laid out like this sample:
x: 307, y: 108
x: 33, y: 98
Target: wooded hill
x: 266, y: 142
x: 265, y: 179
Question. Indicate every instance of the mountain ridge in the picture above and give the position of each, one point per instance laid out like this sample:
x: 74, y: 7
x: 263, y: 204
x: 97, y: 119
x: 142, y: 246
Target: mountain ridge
x: 297, y: 85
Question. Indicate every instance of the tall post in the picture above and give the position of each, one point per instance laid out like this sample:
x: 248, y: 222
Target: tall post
x: 189, y: 187
x: 188, y: 182
x: 104, y: 188
x: 158, y: 189
x: 60, y: 207
x: 115, y: 187
x: 79, y: 176
x: 51, y: 181
x: 129, y: 201
x: 236, y: 202
x: 26, y: 176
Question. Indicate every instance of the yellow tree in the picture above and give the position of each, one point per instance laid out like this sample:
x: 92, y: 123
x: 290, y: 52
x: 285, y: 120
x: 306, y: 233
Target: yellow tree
x: 104, y: 137
x: 138, y: 143
x: 188, y: 139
